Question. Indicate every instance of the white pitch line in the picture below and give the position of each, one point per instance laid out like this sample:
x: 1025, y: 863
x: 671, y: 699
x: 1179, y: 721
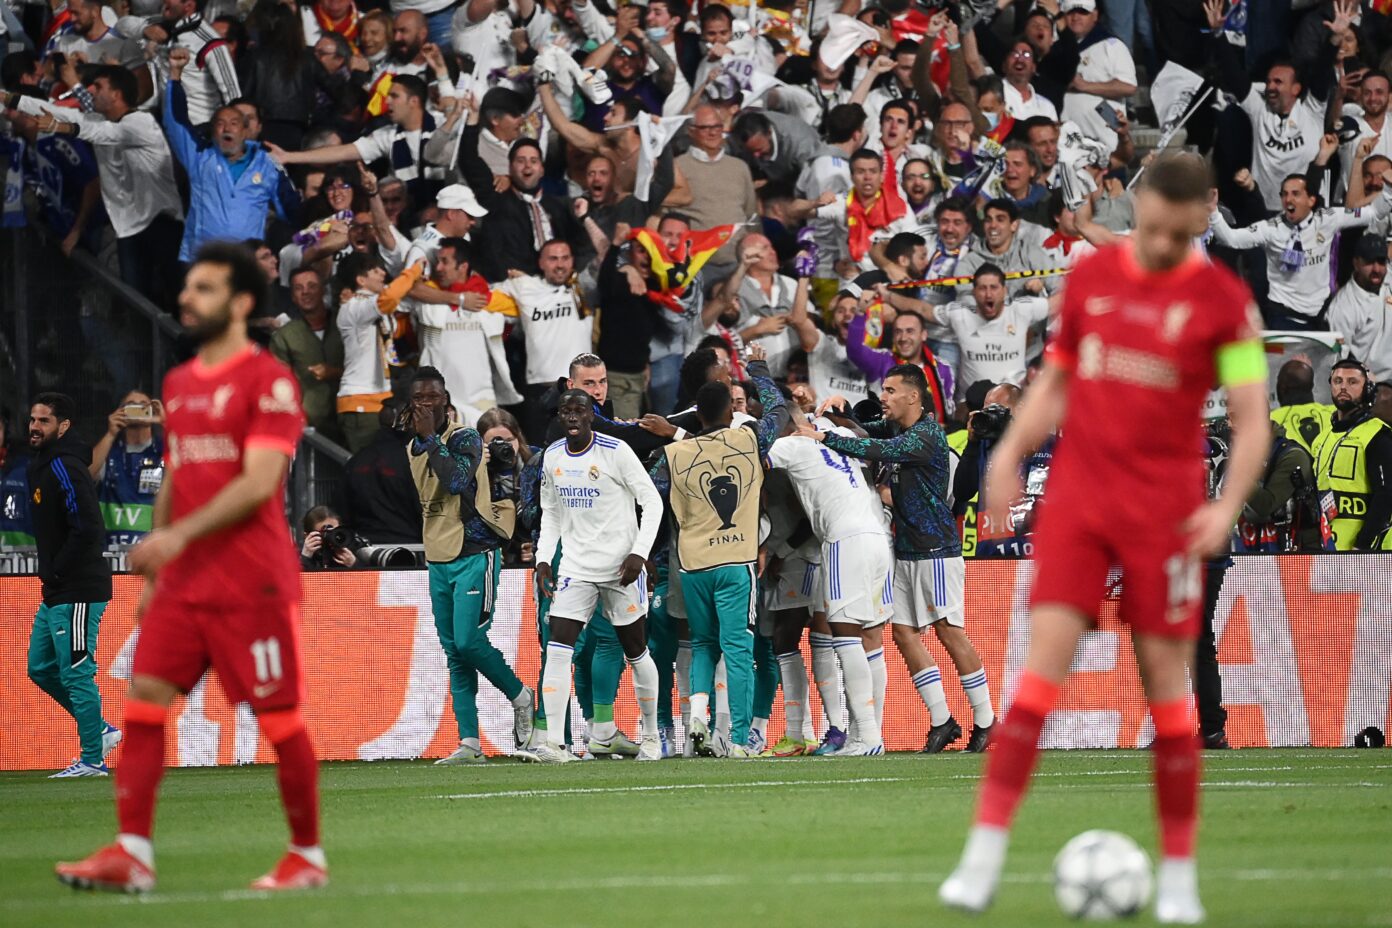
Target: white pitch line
x: 649, y: 882
x: 924, y: 785
x: 661, y: 788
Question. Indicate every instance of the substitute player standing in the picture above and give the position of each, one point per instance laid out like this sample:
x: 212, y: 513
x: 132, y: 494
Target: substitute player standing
x: 1146, y: 327
x: 590, y: 484
x: 222, y: 576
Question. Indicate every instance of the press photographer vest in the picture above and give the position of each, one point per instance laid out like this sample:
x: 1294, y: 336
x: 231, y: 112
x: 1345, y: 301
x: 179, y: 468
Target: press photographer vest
x: 444, y: 514
x: 716, y: 482
x: 1342, y: 468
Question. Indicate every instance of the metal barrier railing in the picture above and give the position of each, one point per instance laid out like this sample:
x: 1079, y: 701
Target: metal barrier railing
x: 71, y: 324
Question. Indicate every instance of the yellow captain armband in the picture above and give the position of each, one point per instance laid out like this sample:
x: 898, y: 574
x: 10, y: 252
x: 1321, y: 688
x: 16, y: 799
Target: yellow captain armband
x: 1241, y: 363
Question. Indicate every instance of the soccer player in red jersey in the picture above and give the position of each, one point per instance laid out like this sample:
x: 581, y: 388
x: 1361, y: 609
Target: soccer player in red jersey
x: 222, y: 584
x: 1146, y: 327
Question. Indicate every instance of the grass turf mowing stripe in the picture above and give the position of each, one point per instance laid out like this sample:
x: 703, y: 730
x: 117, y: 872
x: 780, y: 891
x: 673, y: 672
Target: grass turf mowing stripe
x: 651, y: 882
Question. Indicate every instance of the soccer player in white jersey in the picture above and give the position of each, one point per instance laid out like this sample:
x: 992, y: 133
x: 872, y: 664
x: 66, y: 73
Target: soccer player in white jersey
x: 590, y: 485
x: 857, y: 566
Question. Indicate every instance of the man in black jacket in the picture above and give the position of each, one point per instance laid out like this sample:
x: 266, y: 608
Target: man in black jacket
x: 379, y: 496
x: 520, y: 218
x: 76, y: 578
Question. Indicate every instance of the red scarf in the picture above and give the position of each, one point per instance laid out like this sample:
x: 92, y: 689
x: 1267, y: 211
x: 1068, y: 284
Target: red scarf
x: 1059, y: 240
x: 475, y: 284
x: 346, y: 27
x: 935, y: 387
x: 1003, y: 129
x: 885, y: 208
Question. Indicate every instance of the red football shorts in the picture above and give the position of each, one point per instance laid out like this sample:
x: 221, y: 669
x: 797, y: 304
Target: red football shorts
x: 1161, y: 587
x: 255, y: 649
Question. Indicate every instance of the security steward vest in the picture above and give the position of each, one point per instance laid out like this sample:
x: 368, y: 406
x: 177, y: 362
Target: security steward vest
x: 1304, y: 423
x: 716, y: 483
x: 957, y: 443
x: 444, y: 514
x: 1342, y: 469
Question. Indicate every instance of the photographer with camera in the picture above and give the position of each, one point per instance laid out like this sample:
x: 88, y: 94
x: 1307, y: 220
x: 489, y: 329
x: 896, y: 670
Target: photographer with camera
x: 505, y: 454
x: 328, y: 545
x: 128, y: 465
x: 984, y: 428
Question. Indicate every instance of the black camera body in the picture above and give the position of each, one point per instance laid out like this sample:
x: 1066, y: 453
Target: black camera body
x: 501, y: 455
x: 990, y: 423
x: 336, y: 539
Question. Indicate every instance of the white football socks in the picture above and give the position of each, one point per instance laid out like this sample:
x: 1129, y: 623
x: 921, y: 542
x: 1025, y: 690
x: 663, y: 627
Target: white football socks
x: 824, y: 673
x: 141, y: 848
x: 795, y: 692
x: 979, y: 695
x: 878, y: 679
x: 684, y: 682
x: 555, y: 690
x: 722, y: 701
x: 859, y: 695
x: 645, y: 690
x: 928, y: 682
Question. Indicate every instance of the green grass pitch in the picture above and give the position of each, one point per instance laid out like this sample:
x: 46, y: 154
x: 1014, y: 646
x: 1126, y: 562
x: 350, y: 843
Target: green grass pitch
x: 1299, y: 838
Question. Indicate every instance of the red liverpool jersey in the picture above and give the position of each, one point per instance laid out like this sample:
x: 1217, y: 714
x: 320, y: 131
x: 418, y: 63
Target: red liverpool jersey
x: 1141, y: 349
x: 213, y: 415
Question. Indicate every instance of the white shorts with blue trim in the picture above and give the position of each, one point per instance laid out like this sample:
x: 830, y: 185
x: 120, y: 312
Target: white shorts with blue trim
x: 623, y: 605
x: 858, y: 579
x: 930, y: 591
x: 797, y: 586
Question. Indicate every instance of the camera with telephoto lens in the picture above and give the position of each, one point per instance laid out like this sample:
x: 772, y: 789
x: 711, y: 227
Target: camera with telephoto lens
x: 336, y: 539
x: 989, y: 424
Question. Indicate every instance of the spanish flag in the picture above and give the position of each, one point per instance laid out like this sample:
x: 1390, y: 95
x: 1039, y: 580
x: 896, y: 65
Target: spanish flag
x: 675, y: 270
x: 377, y: 94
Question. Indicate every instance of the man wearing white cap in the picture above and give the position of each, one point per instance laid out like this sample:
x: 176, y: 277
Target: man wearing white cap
x: 1106, y: 72
x: 460, y: 212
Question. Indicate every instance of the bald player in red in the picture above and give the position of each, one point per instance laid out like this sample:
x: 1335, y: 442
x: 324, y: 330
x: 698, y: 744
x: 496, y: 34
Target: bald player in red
x: 1146, y: 327
x: 222, y: 576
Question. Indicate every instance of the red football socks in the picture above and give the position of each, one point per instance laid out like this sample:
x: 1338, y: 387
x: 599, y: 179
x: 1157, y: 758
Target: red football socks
x: 298, y: 773
x: 1014, y: 750
x: 141, y: 768
x: 1176, y: 756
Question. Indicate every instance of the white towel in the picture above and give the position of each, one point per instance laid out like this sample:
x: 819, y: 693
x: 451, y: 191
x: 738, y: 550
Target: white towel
x: 845, y: 35
x: 654, y: 135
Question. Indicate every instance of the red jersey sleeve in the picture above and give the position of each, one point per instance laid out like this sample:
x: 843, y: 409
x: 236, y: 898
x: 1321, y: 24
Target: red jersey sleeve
x: 1234, y: 309
x: 277, y: 418
x: 1062, y: 349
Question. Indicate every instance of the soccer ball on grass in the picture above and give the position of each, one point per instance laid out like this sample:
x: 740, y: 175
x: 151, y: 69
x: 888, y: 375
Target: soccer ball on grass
x: 1102, y: 875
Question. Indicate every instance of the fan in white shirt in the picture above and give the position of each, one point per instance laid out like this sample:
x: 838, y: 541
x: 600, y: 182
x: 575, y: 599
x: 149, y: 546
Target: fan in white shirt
x: 1299, y: 244
x: 1106, y: 73
x: 829, y: 371
x: 857, y: 566
x: 1022, y: 101
x: 992, y: 333
x: 1362, y: 309
x: 590, y: 485
x: 455, y: 338
x: 556, y: 325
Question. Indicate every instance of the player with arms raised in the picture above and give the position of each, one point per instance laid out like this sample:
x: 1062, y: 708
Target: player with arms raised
x: 222, y: 577
x: 1147, y: 326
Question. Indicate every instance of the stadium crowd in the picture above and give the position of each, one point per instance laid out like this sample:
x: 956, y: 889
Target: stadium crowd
x: 516, y: 200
